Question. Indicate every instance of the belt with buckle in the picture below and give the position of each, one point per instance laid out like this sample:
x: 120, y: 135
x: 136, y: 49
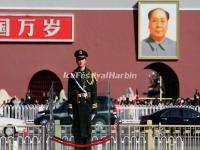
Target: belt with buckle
x: 82, y: 95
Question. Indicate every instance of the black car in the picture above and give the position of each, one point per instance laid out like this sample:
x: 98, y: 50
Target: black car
x: 173, y: 116
x: 103, y: 117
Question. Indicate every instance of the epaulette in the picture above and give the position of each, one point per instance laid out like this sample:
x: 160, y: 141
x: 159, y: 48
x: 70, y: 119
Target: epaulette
x: 94, y: 106
x: 70, y: 106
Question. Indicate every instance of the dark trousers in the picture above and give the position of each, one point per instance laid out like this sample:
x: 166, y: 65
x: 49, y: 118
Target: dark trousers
x: 81, y: 140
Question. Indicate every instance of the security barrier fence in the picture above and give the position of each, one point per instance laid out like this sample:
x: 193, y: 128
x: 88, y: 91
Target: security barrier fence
x: 26, y: 112
x: 128, y: 114
x: 132, y: 113
x: 123, y: 137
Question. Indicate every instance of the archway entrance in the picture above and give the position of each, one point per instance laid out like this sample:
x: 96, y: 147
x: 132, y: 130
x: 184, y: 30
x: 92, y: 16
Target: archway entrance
x: 40, y: 85
x: 169, y: 77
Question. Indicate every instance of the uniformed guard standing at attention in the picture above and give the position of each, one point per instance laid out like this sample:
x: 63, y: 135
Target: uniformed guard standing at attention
x: 82, y: 95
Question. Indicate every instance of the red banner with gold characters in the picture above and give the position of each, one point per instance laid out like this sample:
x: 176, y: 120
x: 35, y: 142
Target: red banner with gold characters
x: 37, y: 28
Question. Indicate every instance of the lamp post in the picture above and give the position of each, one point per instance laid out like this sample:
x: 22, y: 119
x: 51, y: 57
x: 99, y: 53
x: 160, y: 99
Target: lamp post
x: 161, y: 92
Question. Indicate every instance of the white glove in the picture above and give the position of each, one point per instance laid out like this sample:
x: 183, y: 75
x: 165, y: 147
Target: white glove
x: 71, y: 115
x: 92, y: 117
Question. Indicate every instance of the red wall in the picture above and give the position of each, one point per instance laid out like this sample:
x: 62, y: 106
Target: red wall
x: 110, y: 38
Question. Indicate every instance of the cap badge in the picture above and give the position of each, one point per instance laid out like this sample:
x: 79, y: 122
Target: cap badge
x: 80, y: 52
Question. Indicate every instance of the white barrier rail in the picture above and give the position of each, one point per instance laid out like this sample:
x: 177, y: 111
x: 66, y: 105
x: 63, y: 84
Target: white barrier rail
x: 27, y: 112
x: 32, y: 139
x: 123, y: 137
x: 149, y: 137
x: 128, y: 114
x: 132, y: 113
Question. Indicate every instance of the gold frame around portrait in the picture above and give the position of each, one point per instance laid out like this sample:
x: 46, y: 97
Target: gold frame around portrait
x: 142, y: 9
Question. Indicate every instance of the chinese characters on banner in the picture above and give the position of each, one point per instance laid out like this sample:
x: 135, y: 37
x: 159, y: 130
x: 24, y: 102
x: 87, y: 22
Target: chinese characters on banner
x: 37, y: 28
